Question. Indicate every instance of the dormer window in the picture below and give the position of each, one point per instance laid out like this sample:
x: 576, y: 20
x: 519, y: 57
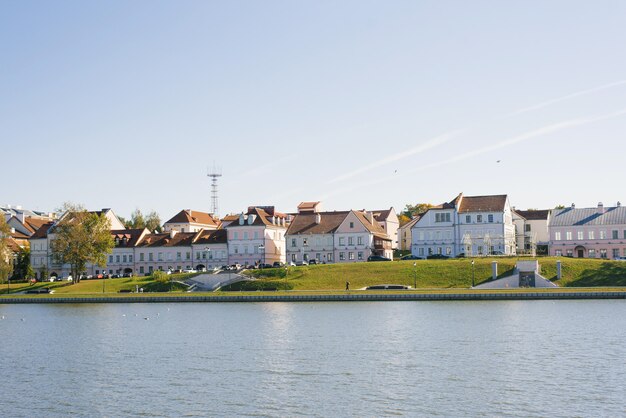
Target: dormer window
x: 468, y: 219
x: 351, y: 225
x: 479, y: 218
x: 490, y: 218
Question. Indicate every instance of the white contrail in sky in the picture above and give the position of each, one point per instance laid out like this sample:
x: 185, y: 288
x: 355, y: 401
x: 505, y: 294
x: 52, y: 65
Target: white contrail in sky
x: 548, y: 129
x: 567, y: 97
x: 432, y: 143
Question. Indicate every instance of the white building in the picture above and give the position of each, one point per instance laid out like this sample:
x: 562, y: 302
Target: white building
x: 469, y: 225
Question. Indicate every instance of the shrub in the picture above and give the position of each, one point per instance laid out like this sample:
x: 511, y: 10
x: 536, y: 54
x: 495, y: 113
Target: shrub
x: 160, y: 276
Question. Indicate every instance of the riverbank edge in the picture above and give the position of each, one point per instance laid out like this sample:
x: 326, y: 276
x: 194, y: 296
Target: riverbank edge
x: 348, y: 297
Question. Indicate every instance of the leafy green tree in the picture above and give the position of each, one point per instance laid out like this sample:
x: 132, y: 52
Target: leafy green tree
x: 23, y: 269
x: 417, y: 209
x: 153, y: 222
x: 6, y: 259
x: 160, y: 276
x: 81, y: 237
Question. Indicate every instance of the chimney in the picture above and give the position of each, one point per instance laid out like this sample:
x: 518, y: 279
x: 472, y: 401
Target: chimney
x: 573, y: 206
x: 318, y: 218
x: 619, y: 204
x: 600, y: 208
x: 172, y: 233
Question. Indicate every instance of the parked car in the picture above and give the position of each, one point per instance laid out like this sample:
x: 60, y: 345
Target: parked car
x: 377, y: 258
x: 620, y: 259
x: 189, y: 271
x: 497, y: 253
x: 411, y: 257
x: 128, y: 274
x: 437, y: 257
x: 277, y: 264
x: 312, y: 262
x: 292, y: 264
x: 115, y: 276
x: 302, y: 263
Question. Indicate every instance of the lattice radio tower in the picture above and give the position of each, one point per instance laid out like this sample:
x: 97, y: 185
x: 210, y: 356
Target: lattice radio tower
x: 214, y: 174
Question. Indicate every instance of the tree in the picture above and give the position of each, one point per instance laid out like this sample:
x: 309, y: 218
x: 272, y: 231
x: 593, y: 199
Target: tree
x: 417, y: 209
x: 138, y: 220
x: 153, y: 222
x: 81, y: 237
x: 23, y: 269
x: 559, y: 207
x: 6, y: 259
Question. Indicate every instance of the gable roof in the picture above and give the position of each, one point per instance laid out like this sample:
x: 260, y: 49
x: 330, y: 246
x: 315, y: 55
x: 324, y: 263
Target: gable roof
x: 588, y: 216
x: 192, y: 217
x: 127, y: 238
x: 412, y: 222
x: 261, y: 218
x: 374, y: 228
x: 42, y: 232
x: 534, y: 215
x: 33, y: 224
x: 304, y: 223
x: 180, y: 239
x: 208, y: 236
x: 494, y: 203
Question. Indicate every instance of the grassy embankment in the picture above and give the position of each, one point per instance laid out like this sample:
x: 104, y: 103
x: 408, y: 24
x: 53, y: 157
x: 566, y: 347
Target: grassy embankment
x: 432, y: 275
x: 95, y: 286
x: 442, y: 274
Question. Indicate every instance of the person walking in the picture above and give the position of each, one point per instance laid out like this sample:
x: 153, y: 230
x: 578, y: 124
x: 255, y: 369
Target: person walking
x: 347, y: 285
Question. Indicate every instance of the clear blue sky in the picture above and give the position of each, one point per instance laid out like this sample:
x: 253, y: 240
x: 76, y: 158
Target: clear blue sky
x: 361, y: 104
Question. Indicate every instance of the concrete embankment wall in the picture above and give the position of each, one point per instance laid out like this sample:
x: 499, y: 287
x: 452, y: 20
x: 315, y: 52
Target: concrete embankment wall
x: 348, y: 297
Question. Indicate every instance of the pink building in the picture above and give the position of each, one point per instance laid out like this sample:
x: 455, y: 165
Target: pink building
x: 588, y: 232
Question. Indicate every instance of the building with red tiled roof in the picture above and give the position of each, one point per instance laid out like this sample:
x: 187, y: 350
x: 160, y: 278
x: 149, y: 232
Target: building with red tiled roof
x: 469, y: 225
x: 336, y: 237
x: 188, y: 220
x: 257, y: 237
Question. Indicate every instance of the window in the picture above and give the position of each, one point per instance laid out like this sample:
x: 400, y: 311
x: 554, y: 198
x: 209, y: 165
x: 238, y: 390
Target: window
x: 624, y: 233
x: 293, y: 242
x: 592, y: 253
x: 360, y: 255
x: 130, y: 258
x: 448, y: 250
x: 293, y: 258
x: 568, y: 235
x: 615, y: 234
x: 140, y: 256
x: 236, y: 235
x: 117, y: 258
x: 480, y: 250
x: 430, y: 251
x: 329, y: 257
x: 305, y: 242
x: 342, y: 241
x: 350, y: 255
x: 178, y: 256
x: 256, y: 234
x: 557, y: 236
x: 479, y: 218
x: 527, y: 228
x: 351, y: 225
x: 558, y: 253
x: 439, y: 251
x: 581, y: 235
x: 150, y: 256
x: 188, y: 255
x: 570, y: 253
x: 602, y: 234
x: 110, y: 259
x: 342, y: 256
x: 317, y: 256
x: 615, y: 252
x: 602, y: 253
x: 150, y: 269
x: 350, y: 240
x: 592, y: 235
x: 468, y: 219
x: 124, y: 258
x: 490, y: 218
x: 141, y: 271
x: 160, y: 256
x: 420, y: 251
x: 359, y: 240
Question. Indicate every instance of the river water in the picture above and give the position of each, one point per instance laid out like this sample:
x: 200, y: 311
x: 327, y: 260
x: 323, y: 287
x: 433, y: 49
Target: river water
x: 513, y: 358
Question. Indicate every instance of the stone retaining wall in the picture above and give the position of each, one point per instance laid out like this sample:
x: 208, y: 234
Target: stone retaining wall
x: 349, y: 297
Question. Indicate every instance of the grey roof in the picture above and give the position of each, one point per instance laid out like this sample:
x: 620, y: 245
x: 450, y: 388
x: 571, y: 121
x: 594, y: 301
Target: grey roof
x: 588, y: 216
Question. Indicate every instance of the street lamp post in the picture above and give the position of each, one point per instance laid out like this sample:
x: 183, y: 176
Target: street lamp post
x: 414, y: 275
x: 262, y: 250
x: 473, y: 273
x: 286, y: 274
x: 104, y: 277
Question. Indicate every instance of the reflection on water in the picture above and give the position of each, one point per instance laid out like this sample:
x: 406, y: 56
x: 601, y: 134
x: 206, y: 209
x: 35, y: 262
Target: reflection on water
x: 517, y: 358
